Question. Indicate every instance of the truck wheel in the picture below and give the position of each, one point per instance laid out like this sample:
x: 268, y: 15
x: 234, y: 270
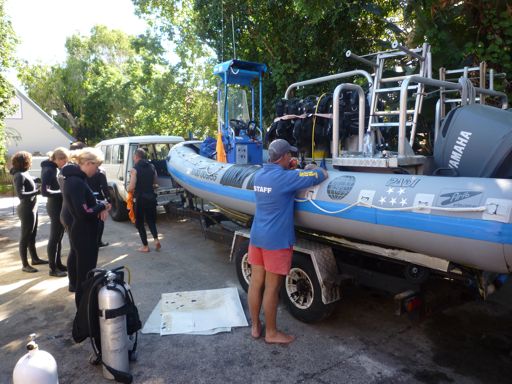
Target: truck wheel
x: 302, y: 293
x: 243, y: 268
x: 118, y: 211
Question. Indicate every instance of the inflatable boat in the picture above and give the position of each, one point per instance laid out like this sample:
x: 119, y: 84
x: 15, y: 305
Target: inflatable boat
x: 455, y: 205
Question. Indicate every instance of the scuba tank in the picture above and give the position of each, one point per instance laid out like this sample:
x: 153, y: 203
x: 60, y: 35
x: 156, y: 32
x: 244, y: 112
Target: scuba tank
x: 107, y: 314
x: 36, y: 366
x: 113, y: 331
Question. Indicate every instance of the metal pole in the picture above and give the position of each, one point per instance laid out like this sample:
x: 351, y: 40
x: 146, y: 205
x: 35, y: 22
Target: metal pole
x: 435, y: 83
x: 336, y: 116
x: 329, y: 78
x: 233, y: 30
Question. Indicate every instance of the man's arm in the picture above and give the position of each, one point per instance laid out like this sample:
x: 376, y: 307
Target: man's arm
x: 133, y: 180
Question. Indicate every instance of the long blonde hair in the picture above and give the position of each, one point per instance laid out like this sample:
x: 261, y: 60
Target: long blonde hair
x: 86, y: 154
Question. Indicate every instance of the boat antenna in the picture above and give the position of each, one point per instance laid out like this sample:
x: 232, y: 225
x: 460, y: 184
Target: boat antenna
x: 222, y: 31
x: 233, y: 30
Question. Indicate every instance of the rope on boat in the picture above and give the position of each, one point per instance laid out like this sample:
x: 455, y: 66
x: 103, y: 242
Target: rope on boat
x: 412, y: 208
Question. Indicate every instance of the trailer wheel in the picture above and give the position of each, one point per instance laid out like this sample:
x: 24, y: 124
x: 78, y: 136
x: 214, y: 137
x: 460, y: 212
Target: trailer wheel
x: 243, y: 268
x: 302, y: 293
x: 118, y: 211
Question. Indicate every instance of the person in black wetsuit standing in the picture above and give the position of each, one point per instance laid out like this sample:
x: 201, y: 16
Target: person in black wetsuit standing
x: 51, y: 189
x: 27, y: 192
x: 143, y: 179
x: 85, y: 210
x: 99, y: 186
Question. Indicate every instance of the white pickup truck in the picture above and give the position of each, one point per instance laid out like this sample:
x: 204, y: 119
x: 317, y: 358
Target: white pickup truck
x: 118, y: 162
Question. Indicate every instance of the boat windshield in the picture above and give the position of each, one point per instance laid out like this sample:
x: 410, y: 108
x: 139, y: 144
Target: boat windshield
x: 237, y: 105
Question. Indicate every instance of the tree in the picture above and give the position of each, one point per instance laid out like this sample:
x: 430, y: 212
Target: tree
x: 8, y: 43
x: 298, y: 39
x: 112, y: 84
x: 464, y: 33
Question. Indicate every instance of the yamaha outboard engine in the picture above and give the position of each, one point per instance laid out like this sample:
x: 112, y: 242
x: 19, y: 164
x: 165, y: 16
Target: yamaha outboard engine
x: 476, y: 141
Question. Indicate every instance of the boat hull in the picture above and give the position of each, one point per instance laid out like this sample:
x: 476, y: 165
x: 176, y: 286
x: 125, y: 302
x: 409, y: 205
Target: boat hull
x: 467, y: 221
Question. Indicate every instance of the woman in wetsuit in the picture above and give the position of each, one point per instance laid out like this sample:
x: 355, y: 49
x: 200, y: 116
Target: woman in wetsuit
x: 51, y: 189
x: 85, y: 210
x: 27, y: 209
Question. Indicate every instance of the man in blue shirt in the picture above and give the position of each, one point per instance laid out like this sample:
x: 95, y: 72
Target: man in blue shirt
x: 273, y: 234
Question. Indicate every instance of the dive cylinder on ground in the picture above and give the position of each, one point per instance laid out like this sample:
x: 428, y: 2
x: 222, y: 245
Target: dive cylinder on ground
x: 114, y: 338
x: 36, y: 366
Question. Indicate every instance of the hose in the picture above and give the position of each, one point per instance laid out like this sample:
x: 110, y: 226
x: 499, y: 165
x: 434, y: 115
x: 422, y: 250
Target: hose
x: 412, y: 208
x: 314, y: 125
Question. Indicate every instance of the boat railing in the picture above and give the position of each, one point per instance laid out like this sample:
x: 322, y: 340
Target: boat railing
x: 323, y: 79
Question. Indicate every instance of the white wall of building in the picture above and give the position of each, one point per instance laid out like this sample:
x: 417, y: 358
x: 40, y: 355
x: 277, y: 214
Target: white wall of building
x: 32, y: 130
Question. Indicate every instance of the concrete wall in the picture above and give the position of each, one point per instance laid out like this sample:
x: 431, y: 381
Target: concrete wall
x: 34, y: 130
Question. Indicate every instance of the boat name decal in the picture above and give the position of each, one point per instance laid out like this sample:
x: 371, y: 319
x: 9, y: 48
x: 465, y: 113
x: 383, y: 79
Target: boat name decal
x: 402, y: 182
x: 257, y: 188
x: 458, y: 149
x: 454, y: 197
x: 202, y: 174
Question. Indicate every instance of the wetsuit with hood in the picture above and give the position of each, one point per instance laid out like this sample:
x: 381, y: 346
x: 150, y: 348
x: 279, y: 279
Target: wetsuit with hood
x: 84, y: 209
x: 27, y: 192
x: 50, y: 188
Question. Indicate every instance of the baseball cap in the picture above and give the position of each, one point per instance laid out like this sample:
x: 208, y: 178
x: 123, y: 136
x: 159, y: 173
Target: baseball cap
x: 278, y: 148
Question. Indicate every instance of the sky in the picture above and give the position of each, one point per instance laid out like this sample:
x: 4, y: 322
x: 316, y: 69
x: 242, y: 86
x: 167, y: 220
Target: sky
x: 43, y: 25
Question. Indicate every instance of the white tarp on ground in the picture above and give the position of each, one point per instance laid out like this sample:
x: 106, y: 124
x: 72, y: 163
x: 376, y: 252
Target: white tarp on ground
x: 196, y: 312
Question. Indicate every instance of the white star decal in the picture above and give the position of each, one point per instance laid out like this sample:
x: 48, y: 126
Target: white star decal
x: 382, y: 200
x: 403, y: 202
x: 390, y: 190
x: 401, y: 191
x: 393, y: 201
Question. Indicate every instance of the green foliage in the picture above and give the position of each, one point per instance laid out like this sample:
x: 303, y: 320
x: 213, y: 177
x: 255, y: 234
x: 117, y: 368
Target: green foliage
x: 464, y: 33
x: 115, y: 85
x: 7, y: 45
x: 298, y: 39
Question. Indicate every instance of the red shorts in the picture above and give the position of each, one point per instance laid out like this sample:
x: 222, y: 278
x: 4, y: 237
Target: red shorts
x: 278, y: 261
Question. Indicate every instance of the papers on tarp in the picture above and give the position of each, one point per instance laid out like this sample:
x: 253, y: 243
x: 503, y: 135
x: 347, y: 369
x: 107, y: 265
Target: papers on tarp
x: 196, y: 312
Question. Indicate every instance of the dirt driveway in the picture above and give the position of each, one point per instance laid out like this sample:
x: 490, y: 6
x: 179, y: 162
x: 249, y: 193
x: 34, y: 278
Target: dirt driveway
x: 363, y: 342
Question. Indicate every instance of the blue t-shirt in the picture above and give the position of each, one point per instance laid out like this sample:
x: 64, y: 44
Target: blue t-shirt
x: 275, y: 190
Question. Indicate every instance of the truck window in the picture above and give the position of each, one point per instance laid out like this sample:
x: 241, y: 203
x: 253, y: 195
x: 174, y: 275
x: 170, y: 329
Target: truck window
x: 161, y: 151
x: 108, y: 153
x: 118, y: 154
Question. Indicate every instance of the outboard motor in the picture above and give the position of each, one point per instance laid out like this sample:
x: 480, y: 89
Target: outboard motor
x: 475, y: 141
x: 36, y: 366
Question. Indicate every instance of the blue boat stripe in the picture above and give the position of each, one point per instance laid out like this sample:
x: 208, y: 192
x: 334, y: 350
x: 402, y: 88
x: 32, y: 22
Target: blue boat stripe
x: 477, y: 229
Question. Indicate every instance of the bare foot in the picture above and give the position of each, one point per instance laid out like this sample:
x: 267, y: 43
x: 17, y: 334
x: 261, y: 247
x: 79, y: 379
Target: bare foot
x: 144, y: 249
x: 158, y: 245
x: 279, y: 338
x: 256, y: 330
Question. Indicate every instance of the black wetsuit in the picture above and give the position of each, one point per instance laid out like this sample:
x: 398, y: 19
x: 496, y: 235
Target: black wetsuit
x: 99, y: 186
x: 84, y: 209
x: 66, y: 220
x: 51, y: 189
x: 145, y: 200
x: 27, y: 212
